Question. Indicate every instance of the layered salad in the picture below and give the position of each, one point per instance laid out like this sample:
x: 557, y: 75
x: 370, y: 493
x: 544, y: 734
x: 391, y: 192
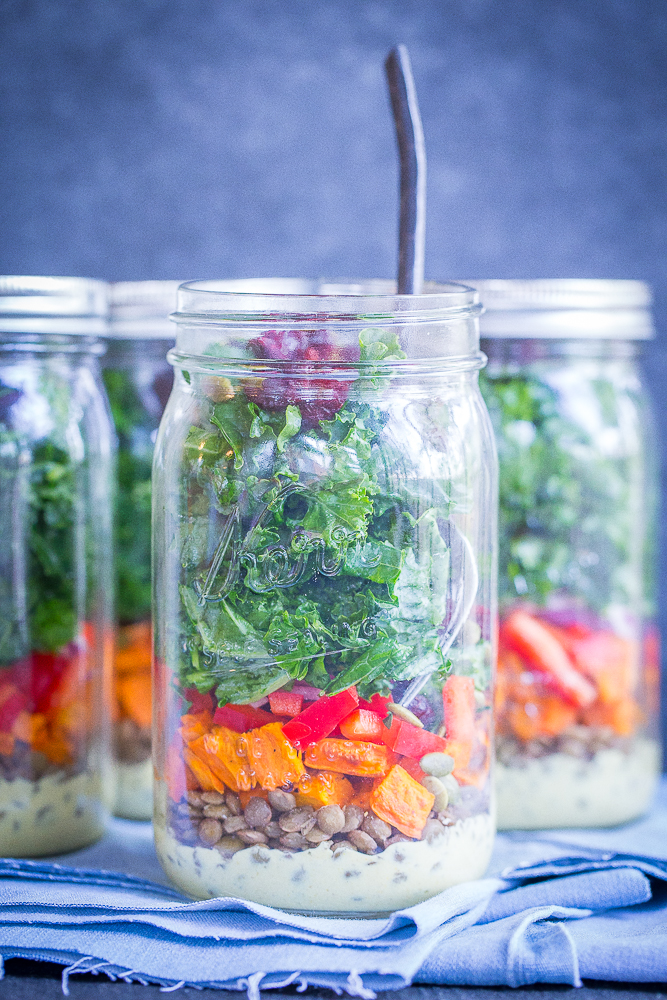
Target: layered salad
x: 577, y: 670
x: 50, y: 797
x: 137, y: 391
x: 330, y: 742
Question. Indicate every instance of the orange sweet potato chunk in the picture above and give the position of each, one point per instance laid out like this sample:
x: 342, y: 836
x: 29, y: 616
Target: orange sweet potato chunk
x: 402, y: 802
x: 622, y: 716
x: 193, y: 726
x: 133, y: 649
x: 134, y: 694
x: 226, y: 753
x: 272, y: 758
x: 325, y: 788
x: 548, y: 715
x: 350, y: 757
x: 208, y: 781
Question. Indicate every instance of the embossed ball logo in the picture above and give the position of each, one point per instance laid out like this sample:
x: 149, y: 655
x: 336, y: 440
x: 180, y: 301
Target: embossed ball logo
x: 301, y: 551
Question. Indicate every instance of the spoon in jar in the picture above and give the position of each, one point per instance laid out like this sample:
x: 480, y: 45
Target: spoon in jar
x: 412, y: 160
x: 463, y: 575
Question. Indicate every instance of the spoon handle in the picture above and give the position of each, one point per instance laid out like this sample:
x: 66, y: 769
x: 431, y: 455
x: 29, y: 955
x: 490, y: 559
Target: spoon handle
x: 412, y: 155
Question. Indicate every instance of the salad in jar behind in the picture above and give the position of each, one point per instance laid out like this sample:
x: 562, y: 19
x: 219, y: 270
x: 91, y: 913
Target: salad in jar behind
x: 55, y: 556
x: 324, y: 566
x: 138, y: 379
x: 577, y: 691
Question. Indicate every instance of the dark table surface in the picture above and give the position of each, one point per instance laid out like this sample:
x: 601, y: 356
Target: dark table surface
x: 29, y: 980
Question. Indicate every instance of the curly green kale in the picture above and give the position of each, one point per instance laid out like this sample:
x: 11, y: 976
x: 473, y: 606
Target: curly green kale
x: 565, y: 507
x: 132, y: 527
x: 297, y: 563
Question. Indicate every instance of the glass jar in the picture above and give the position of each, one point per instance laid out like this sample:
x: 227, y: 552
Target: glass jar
x: 138, y: 379
x: 324, y: 578
x: 56, y: 635
x: 577, y: 692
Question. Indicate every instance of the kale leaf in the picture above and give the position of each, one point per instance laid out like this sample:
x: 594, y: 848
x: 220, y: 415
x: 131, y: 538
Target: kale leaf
x: 565, y: 521
x: 134, y: 426
x: 317, y: 570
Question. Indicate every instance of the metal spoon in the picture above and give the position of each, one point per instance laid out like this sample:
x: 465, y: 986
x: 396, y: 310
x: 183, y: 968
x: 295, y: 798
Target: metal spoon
x: 412, y: 156
x: 461, y: 592
x: 463, y: 575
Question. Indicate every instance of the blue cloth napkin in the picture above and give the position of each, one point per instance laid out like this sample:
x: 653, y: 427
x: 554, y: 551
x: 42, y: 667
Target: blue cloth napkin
x: 556, y: 907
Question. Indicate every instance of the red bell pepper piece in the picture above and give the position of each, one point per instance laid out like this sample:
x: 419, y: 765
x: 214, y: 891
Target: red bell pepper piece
x: 242, y: 718
x: 320, y: 718
x: 12, y: 701
x: 200, y: 702
x: 377, y: 704
x: 409, y: 740
x: 535, y: 643
x: 412, y: 767
x: 285, y: 702
x: 362, y: 724
x: 39, y: 675
x: 609, y: 662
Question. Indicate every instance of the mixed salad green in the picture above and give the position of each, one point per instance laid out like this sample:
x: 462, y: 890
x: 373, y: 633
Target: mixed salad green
x: 566, y: 511
x: 309, y: 553
x: 38, y: 489
x: 132, y: 541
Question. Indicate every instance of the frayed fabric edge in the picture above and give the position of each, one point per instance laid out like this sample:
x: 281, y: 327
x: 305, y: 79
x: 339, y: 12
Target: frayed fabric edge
x: 355, y: 987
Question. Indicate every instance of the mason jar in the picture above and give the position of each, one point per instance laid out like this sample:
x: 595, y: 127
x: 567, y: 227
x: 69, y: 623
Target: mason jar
x: 138, y: 379
x: 577, y: 693
x: 324, y: 514
x: 56, y: 637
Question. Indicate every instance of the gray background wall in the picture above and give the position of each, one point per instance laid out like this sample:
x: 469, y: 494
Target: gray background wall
x: 194, y: 138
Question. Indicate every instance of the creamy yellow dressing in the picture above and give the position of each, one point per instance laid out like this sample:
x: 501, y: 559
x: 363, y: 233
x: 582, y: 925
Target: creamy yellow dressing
x: 134, y: 790
x: 564, y: 791
x: 52, y: 815
x: 318, y: 880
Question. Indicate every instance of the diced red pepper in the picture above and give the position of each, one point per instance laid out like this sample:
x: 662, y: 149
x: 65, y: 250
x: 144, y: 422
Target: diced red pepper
x: 242, y: 718
x: 200, y: 702
x: 285, y: 702
x: 40, y: 675
x: 377, y: 704
x: 412, y: 767
x: 362, y: 724
x: 321, y: 717
x: 12, y: 702
x: 535, y: 643
x: 608, y: 661
x: 409, y: 740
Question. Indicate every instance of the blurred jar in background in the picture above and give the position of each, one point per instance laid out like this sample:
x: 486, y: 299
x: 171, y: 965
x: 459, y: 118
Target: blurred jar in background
x: 138, y: 382
x: 56, y: 626
x: 577, y: 697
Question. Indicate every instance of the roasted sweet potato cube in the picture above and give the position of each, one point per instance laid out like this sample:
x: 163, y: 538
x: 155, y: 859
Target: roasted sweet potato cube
x: 350, y: 757
x: 402, y: 802
x: 272, y: 759
x: 208, y: 781
x: 325, y: 788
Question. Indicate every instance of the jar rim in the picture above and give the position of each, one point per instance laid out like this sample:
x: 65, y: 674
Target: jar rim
x: 52, y: 305
x: 565, y: 308
x: 140, y: 310
x: 295, y: 299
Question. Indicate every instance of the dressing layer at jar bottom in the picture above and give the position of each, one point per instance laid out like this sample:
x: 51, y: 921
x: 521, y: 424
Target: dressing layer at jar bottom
x: 320, y: 881
x: 560, y: 790
x: 52, y: 815
x: 134, y: 790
